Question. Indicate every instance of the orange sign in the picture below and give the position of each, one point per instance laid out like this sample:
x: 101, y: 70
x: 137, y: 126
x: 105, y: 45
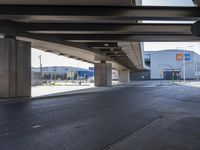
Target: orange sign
x: 179, y: 57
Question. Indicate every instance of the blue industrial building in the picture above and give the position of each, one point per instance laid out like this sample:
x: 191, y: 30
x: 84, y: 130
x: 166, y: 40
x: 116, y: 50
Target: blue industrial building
x: 63, y: 72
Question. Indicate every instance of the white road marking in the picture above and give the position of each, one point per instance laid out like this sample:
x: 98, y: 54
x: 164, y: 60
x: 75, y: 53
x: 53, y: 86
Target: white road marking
x: 37, y: 126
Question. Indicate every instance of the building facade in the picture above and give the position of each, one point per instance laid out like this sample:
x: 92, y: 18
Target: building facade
x: 59, y: 72
x: 170, y: 64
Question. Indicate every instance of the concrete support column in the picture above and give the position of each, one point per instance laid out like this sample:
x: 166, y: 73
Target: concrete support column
x: 15, y: 68
x: 103, y: 74
x: 124, y: 76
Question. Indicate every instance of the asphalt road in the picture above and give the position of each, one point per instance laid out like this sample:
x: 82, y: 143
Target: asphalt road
x: 142, y: 116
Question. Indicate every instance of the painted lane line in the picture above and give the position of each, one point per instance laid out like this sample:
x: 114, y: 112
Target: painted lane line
x: 37, y: 126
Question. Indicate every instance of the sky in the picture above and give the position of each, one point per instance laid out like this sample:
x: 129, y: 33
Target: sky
x: 155, y: 46
x: 49, y: 59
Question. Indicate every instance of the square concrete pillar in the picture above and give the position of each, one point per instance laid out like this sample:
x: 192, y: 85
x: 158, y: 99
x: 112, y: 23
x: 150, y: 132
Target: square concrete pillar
x: 124, y: 76
x: 103, y: 74
x: 15, y: 68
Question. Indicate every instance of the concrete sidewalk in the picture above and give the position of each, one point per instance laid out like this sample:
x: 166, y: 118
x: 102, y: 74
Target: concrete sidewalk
x: 89, y: 89
x: 190, y: 83
x: 53, y: 89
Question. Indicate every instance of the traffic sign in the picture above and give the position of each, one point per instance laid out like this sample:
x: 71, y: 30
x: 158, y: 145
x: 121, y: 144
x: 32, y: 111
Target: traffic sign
x: 187, y: 56
x: 179, y: 57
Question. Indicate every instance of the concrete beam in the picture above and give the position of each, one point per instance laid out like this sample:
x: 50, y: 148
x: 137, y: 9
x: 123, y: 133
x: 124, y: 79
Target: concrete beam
x: 109, y: 29
x: 134, y: 52
x: 196, y: 29
x: 14, y: 28
x: 98, y: 14
x: 129, y: 38
x: 85, y: 28
x: 15, y: 68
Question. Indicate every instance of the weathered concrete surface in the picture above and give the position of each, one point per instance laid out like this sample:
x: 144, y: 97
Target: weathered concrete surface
x: 124, y: 76
x: 15, y: 68
x: 64, y: 47
x: 70, y: 2
x: 103, y: 74
x: 134, y: 51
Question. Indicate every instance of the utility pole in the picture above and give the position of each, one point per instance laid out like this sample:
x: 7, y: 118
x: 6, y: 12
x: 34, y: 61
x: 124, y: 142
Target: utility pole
x: 40, y: 59
x: 184, y: 67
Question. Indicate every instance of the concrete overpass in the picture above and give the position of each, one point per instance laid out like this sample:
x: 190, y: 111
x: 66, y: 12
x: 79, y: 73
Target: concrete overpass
x: 106, y: 33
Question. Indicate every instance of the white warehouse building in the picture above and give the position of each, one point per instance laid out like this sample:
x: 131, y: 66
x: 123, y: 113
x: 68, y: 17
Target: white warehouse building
x: 169, y: 64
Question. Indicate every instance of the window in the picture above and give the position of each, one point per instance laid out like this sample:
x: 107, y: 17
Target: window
x: 147, y: 59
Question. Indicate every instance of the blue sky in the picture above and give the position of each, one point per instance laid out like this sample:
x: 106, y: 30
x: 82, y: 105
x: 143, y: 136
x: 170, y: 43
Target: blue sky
x: 49, y: 59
